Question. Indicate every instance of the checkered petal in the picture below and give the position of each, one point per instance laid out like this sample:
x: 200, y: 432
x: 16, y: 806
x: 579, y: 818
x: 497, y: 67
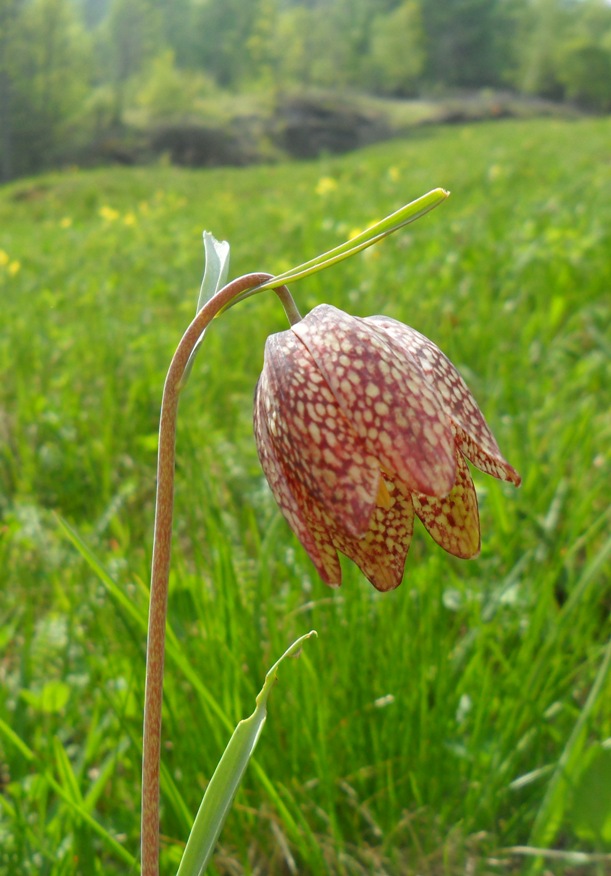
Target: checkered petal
x: 310, y: 434
x: 318, y: 545
x: 472, y: 432
x: 361, y: 424
x: 381, y: 554
x: 386, y: 396
x: 453, y: 521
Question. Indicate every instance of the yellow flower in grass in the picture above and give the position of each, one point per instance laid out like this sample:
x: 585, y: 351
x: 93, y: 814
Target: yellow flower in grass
x: 109, y: 214
x: 65, y: 222
x: 361, y: 425
x: 325, y: 185
x: 4, y: 258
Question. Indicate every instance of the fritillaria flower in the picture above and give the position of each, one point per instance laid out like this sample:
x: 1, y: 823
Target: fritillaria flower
x: 361, y: 425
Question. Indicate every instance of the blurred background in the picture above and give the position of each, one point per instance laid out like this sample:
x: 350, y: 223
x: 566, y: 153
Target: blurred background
x: 233, y: 81
x: 457, y: 725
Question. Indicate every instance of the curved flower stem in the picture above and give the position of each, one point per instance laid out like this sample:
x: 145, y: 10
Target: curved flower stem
x: 155, y: 651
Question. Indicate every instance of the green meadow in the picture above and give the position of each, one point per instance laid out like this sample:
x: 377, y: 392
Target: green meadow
x: 453, y: 726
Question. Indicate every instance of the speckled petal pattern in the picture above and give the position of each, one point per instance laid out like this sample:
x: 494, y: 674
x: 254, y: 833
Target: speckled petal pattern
x: 474, y: 434
x: 384, y: 393
x: 453, y: 521
x: 381, y: 554
x: 320, y: 550
x: 314, y: 439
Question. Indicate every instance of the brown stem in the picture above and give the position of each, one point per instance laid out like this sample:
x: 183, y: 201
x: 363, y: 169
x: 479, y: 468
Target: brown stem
x: 155, y: 649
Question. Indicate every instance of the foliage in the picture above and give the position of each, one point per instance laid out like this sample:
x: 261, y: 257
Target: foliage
x: 397, y: 50
x: 164, y: 92
x: 431, y: 720
x: 44, y: 71
x: 566, y: 51
x: 73, y: 73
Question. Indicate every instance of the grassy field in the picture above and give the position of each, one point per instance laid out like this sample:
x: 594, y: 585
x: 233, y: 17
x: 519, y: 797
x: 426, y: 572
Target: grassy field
x: 430, y: 730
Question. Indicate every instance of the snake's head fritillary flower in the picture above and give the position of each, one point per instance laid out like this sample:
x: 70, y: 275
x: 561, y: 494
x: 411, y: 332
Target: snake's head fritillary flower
x: 362, y: 424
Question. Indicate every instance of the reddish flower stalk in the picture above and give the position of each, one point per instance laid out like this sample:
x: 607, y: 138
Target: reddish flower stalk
x: 161, y: 559
x: 360, y: 425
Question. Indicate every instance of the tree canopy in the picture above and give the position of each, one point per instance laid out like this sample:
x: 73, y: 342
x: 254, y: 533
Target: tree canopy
x: 72, y: 70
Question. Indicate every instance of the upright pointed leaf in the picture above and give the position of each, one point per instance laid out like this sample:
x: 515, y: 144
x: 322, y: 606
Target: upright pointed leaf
x: 227, y: 776
x: 216, y: 268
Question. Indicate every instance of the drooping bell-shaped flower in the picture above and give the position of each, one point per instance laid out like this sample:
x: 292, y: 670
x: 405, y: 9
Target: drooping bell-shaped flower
x: 361, y: 424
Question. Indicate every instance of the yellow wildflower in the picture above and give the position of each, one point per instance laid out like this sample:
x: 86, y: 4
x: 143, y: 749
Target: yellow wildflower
x: 108, y: 213
x: 4, y: 258
x: 14, y: 268
x: 325, y: 185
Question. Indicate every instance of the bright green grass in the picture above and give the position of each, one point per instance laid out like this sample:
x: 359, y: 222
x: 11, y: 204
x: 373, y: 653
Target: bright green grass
x: 395, y: 744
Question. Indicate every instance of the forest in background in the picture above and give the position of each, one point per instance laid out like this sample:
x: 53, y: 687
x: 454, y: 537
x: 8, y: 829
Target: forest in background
x: 81, y: 79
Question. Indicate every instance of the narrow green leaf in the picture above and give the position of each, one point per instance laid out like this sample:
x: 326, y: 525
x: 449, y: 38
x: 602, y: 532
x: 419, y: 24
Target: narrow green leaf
x: 131, y: 610
x: 174, y: 650
x: 11, y: 737
x: 407, y: 214
x: 227, y: 776
x: 66, y: 774
x: 104, y: 774
x: 550, y: 814
x: 176, y: 654
x: 77, y: 807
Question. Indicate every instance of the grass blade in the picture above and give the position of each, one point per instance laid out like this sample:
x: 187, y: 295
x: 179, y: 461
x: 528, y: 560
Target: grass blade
x: 549, y: 816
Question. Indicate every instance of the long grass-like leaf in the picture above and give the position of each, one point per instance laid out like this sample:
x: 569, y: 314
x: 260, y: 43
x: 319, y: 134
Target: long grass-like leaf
x: 407, y: 214
x: 227, y: 776
x: 68, y: 797
x: 549, y: 816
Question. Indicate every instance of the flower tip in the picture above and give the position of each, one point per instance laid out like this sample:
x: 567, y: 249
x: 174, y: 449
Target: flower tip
x: 330, y: 578
x: 512, y: 476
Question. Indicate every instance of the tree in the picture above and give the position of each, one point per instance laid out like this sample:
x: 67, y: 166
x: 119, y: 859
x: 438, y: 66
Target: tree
x: 44, y: 76
x: 543, y: 29
x: 585, y: 57
x: 131, y: 37
x: 9, y: 16
x: 396, y: 56
x: 223, y: 28
x: 165, y: 92
x: 468, y: 42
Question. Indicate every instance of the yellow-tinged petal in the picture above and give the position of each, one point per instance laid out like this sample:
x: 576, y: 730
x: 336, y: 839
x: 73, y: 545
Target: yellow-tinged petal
x: 381, y: 553
x: 453, y: 521
x: 360, y: 425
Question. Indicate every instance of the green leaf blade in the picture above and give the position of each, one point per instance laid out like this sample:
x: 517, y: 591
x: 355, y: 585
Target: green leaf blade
x: 227, y: 776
